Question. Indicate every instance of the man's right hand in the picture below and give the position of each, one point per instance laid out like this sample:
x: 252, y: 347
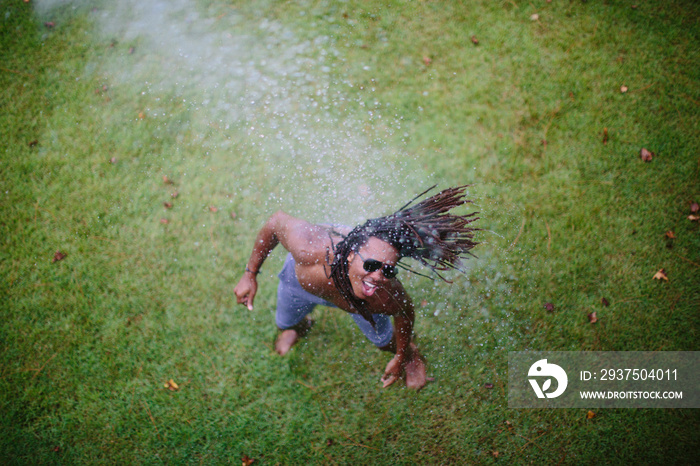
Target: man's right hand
x: 246, y: 289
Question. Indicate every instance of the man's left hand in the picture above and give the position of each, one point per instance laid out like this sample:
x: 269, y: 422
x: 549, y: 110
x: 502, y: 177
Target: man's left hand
x: 412, y: 365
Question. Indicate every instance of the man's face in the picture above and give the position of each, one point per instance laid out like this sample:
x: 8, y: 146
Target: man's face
x: 365, y: 284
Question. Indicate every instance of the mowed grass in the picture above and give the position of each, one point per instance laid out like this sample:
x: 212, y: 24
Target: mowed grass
x: 89, y: 342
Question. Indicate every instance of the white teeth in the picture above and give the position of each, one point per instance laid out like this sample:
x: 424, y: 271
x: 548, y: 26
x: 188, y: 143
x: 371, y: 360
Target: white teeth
x: 370, y: 285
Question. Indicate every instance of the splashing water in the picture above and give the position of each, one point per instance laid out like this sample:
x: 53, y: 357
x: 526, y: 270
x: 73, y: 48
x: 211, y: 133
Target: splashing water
x: 270, y: 96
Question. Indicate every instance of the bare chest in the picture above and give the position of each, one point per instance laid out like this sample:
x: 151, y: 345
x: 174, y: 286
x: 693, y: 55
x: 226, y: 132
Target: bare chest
x: 316, y: 280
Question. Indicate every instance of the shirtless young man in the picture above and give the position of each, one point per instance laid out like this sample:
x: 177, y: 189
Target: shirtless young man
x: 355, y: 270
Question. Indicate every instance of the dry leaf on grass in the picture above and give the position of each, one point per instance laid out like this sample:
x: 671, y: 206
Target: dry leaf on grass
x: 590, y: 415
x: 549, y: 307
x: 670, y: 235
x: 247, y: 461
x: 646, y: 155
x: 593, y: 317
x: 605, y: 136
x: 58, y: 256
x: 605, y: 302
x: 475, y: 41
x: 661, y: 275
x: 171, y: 385
x: 623, y: 89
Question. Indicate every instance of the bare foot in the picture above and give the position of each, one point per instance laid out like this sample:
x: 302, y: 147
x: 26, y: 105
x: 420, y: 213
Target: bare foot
x: 288, y: 337
x: 285, y: 341
x: 415, y: 370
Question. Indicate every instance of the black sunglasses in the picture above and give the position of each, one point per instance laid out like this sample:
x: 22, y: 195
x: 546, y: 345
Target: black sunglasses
x: 372, y: 265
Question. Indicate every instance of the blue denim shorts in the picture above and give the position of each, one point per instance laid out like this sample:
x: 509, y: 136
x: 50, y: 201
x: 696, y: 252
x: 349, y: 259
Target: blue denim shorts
x: 294, y: 303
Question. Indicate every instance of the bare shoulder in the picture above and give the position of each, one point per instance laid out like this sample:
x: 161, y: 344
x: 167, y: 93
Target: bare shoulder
x: 309, y: 243
x: 392, y: 299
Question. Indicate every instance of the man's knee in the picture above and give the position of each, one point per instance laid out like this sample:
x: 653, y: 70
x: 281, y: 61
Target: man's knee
x: 302, y: 327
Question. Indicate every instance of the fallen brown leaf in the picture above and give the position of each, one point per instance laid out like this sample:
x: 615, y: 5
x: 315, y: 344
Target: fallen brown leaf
x: 694, y: 207
x: 247, y: 461
x: 233, y: 215
x: 549, y: 307
x: 174, y: 195
x: 329, y: 442
x: 623, y: 89
x: 171, y: 385
x: 33, y: 143
x: 488, y: 385
x: 213, y: 209
x: 58, y: 256
x: 605, y: 135
x: 670, y: 235
x: 646, y: 155
x: 660, y: 275
x: 693, y: 218
x: 167, y: 180
x: 168, y: 205
x: 593, y: 317
x: 423, y: 303
x: 494, y: 454
x: 590, y: 415
x: 164, y: 221
x: 475, y: 41
x: 427, y: 60
x: 142, y: 115
x: 113, y: 160
x: 49, y: 24
x: 605, y: 302
x: 534, y: 17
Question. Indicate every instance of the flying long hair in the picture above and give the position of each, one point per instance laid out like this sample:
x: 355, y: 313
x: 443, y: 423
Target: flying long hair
x: 425, y: 231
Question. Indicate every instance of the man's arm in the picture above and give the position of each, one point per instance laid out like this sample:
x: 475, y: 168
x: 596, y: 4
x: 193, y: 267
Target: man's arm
x: 303, y: 239
x: 407, y: 357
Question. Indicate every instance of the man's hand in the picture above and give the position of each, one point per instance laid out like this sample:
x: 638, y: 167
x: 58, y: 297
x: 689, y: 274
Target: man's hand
x: 246, y: 289
x: 412, y: 365
x: 393, y: 371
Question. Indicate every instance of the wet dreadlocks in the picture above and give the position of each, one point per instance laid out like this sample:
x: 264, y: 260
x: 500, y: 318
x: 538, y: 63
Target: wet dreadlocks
x: 426, y: 232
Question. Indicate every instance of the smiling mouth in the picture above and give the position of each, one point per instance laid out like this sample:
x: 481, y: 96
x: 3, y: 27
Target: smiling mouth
x: 368, y: 288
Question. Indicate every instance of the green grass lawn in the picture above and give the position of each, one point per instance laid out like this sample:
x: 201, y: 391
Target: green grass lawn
x: 337, y: 111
